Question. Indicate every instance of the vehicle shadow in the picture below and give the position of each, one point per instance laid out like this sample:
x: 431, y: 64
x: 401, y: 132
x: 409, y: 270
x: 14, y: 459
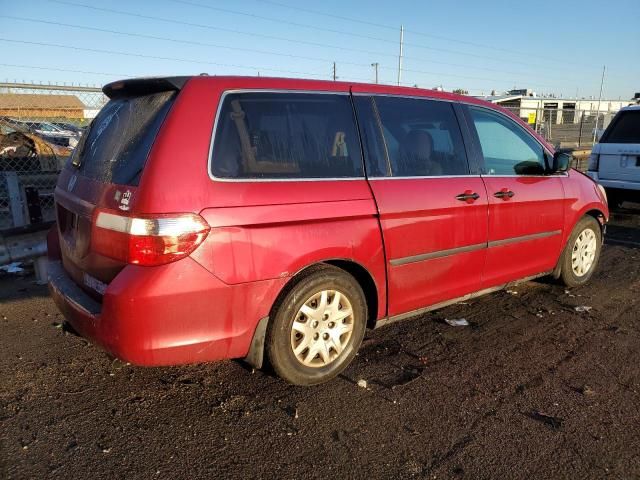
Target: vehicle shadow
x: 624, y: 226
x: 20, y: 286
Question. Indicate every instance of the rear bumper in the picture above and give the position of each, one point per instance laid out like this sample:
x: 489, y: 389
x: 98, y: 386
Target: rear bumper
x: 173, y: 314
x: 615, y: 184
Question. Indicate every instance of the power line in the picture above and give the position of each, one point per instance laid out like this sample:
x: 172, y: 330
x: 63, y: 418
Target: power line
x: 155, y: 57
x: 279, y: 20
x: 177, y: 40
x: 222, y: 29
x: 330, y: 15
x: 149, y: 17
x: 264, y: 52
x: 274, y: 37
x: 66, y: 70
x: 342, y: 32
x: 416, y: 32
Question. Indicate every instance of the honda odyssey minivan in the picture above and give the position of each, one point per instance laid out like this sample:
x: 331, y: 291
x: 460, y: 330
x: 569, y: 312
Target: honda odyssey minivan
x: 275, y: 220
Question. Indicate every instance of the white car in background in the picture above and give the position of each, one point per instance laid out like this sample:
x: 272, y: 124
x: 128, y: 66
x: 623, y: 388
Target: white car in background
x: 615, y: 161
x: 55, y: 134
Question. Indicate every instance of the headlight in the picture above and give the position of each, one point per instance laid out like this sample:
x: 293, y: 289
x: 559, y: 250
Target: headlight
x: 603, y: 192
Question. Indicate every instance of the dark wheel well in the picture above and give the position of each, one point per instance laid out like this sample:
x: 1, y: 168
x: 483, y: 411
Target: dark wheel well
x: 357, y: 271
x: 363, y: 277
x: 598, y: 215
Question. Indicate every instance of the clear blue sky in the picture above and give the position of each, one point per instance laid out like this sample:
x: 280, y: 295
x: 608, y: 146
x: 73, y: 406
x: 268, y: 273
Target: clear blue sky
x: 552, y: 46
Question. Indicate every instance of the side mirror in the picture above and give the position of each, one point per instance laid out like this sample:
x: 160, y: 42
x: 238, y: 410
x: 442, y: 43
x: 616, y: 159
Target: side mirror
x: 561, y: 162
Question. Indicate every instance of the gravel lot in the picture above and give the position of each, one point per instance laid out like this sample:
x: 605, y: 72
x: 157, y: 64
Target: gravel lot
x: 531, y: 389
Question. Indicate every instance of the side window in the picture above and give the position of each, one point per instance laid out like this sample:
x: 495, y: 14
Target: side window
x: 286, y: 135
x: 422, y: 137
x: 506, y: 147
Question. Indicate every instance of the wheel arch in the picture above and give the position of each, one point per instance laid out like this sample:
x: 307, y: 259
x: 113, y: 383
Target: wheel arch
x: 595, y: 213
x: 353, y: 268
x: 255, y: 356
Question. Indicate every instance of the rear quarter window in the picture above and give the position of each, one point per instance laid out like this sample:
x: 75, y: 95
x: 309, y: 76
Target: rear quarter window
x: 625, y: 128
x: 270, y: 135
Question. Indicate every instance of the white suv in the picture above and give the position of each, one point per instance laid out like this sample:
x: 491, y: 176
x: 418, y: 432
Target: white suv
x: 615, y: 160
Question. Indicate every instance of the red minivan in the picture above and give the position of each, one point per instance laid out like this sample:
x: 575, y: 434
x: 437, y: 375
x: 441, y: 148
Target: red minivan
x: 205, y: 218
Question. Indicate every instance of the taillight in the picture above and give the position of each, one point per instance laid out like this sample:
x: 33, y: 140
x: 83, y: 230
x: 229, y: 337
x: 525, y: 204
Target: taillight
x: 147, y: 240
x: 594, y: 162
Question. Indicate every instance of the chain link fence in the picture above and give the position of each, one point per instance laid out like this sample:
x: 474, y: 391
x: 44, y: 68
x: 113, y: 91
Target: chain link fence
x: 565, y: 128
x: 39, y: 127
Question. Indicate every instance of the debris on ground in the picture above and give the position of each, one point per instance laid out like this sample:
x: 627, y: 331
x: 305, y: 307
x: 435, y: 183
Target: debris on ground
x: 583, y: 308
x: 460, y: 322
x: 587, y: 390
x: 292, y: 412
x: 549, y: 420
x: 512, y: 292
x: 362, y: 383
x: 14, y: 267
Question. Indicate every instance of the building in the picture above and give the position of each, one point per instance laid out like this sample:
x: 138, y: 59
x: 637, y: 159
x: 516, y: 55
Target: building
x: 565, y: 122
x: 41, y: 106
x: 535, y: 110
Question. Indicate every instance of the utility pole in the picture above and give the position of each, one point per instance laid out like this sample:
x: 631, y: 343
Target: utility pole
x: 400, y: 55
x: 375, y: 66
x: 334, y: 72
x: 595, y: 130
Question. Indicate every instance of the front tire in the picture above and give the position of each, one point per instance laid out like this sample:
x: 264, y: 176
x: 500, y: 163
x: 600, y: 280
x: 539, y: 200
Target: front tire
x: 317, y: 327
x: 582, y: 252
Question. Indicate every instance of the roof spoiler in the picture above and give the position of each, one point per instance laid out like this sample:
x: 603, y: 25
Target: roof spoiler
x: 143, y: 86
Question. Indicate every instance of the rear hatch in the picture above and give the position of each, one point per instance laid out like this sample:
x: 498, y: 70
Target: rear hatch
x: 104, y: 173
x: 619, y: 148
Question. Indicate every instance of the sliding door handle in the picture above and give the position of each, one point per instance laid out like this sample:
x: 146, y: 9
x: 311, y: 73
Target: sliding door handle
x: 504, y: 194
x: 468, y: 196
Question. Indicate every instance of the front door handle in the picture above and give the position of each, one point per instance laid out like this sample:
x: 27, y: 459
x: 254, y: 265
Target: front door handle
x: 468, y: 196
x: 504, y: 194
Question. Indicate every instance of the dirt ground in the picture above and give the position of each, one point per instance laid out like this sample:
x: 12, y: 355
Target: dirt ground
x: 531, y: 389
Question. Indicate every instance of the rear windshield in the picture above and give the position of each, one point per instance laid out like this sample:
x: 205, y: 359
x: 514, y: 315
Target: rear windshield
x: 625, y: 128
x: 286, y: 135
x: 116, y: 147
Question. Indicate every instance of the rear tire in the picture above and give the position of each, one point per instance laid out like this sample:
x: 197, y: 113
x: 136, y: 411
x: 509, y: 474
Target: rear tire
x: 581, y: 253
x: 317, y: 327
